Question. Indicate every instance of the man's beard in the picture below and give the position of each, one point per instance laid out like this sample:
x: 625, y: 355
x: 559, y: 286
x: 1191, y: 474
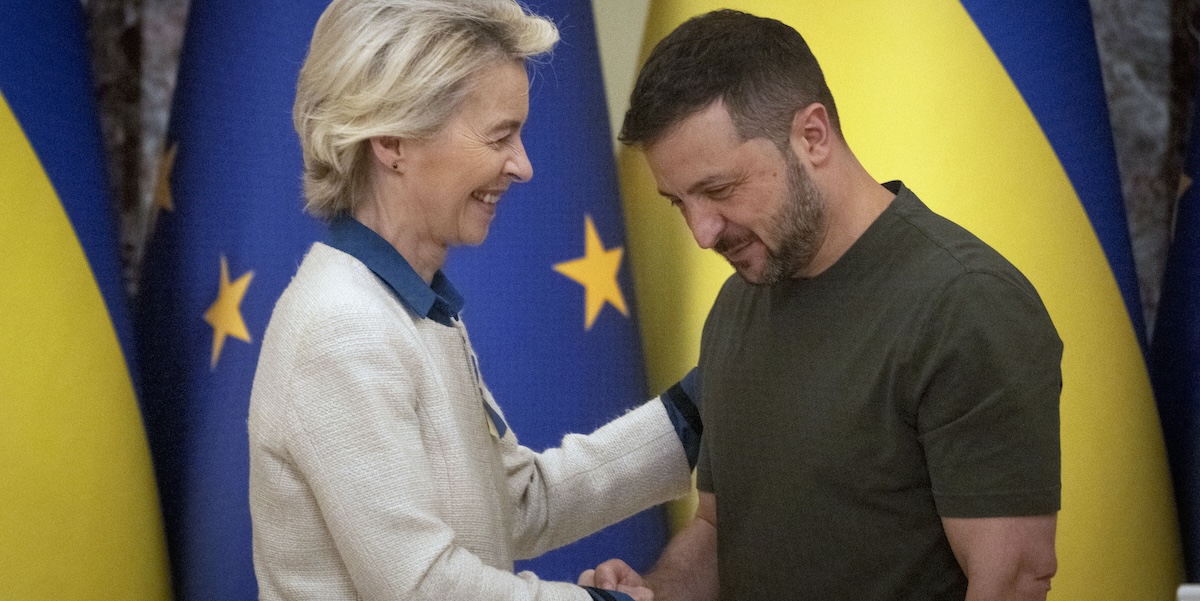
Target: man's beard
x: 797, y: 229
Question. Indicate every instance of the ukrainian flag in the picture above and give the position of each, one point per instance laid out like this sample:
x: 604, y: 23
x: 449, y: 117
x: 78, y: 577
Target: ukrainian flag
x: 79, y: 513
x: 994, y: 112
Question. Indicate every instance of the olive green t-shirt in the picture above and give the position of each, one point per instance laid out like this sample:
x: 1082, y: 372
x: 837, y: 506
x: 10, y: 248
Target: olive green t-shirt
x: 845, y: 415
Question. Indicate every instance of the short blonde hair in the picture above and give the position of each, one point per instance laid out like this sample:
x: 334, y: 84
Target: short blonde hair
x: 395, y: 68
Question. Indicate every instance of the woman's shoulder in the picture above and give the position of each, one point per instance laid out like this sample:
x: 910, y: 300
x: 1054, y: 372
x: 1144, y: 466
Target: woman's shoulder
x: 332, y: 289
x: 329, y: 273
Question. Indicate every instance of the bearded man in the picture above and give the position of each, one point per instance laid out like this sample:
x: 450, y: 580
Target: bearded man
x: 880, y: 388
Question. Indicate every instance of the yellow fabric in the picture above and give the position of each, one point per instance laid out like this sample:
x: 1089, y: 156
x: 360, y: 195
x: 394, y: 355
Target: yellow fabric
x: 79, y: 513
x: 922, y: 98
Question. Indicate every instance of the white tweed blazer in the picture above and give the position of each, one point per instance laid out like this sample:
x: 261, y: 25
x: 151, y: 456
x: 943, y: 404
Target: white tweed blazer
x: 374, y: 473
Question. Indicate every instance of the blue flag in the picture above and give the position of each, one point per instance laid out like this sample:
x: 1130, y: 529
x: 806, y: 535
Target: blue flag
x: 228, y: 235
x: 1175, y: 357
x: 1064, y: 92
x: 78, y: 507
x: 549, y: 297
x: 549, y: 302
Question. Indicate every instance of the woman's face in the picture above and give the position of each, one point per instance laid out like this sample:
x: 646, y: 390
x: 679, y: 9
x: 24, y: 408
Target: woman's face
x: 458, y: 175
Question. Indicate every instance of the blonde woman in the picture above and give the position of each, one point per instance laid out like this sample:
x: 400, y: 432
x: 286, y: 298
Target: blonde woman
x: 381, y: 466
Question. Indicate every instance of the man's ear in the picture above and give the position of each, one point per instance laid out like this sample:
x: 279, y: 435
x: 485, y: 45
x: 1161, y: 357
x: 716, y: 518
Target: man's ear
x: 812, y: 134
x: 389, y: 152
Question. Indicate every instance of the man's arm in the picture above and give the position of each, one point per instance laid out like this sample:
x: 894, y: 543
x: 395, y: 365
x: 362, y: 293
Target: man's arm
x: 686, y: 571
x: 1004, y: 558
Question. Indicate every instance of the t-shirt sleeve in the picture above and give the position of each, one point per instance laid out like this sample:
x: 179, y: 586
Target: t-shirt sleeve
x: 988, y: 414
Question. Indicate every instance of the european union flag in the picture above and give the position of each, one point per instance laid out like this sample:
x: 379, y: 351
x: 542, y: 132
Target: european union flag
x: 1175, y: 357
x: 549, y: 294
x: 80, y: 511
x: 549, y: 303
x: 228, y: 235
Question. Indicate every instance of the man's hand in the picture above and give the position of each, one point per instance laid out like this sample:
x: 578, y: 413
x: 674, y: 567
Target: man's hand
x: 616, y: 575
x: 639, y: 593
x: 687, y: 570
x: 612, y: 574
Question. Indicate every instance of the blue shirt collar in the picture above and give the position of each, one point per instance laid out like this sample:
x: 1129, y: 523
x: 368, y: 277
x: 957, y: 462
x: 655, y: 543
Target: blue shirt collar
x: 438, y: 301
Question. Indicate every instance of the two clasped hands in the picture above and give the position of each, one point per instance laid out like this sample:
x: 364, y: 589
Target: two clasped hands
x: 616, y: 575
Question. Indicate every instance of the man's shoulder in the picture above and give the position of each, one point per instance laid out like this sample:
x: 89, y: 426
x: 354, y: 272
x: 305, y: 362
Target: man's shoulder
x: 961, y: 272
x: 944, y: 244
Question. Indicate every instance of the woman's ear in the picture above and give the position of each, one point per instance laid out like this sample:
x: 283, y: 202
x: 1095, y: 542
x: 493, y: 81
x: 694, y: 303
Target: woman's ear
x: 389, y: 152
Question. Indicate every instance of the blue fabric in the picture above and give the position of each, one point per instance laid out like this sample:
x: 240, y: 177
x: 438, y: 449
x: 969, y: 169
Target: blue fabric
x: 437, y: 300
x: 1048, y: 49
x: 549, y: 372
x: 682, y: 404
x: 599, y: 594
x: 46, y: 79
x: 237, y: 196
x: 691, y: 386
x: 1175, y: 358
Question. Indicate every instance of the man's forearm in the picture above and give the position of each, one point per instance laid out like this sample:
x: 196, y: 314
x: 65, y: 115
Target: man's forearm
x: 1029, y: 581
x: 687, y: 570
x: 1007, y: 558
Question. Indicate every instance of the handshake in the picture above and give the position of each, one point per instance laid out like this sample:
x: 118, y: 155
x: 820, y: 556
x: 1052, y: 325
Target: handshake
x: 687, y: 568
x: 616, y: 575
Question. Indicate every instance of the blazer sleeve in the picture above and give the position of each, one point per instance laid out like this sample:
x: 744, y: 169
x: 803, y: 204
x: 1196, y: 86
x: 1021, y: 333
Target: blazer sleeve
x: 354, y: 437
x: 592, y: 481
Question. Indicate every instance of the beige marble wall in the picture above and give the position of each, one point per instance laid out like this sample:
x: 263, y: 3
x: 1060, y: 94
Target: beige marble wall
x: 1134, y: 38
x: 1140, y: 41
x: 115, y: 35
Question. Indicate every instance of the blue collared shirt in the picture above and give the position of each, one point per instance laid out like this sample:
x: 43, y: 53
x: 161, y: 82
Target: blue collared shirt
x: 438, y: 300
x: 441, y: 302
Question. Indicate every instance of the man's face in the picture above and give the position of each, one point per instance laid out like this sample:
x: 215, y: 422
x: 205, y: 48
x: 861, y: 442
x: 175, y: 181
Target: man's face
x: 746, y: 200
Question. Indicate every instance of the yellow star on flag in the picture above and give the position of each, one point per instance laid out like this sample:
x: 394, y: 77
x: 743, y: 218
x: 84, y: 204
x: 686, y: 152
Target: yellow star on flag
x: 225, y: 314
x: 162, y: 187
x: 163, y: 200
x: 596, y: 271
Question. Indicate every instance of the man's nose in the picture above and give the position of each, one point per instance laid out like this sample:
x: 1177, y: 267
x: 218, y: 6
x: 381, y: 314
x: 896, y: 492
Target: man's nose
x: 706, y: 224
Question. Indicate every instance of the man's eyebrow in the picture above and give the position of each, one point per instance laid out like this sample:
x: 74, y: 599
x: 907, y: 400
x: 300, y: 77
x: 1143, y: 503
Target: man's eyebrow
x: 702, y: 184
x: 711, y: 181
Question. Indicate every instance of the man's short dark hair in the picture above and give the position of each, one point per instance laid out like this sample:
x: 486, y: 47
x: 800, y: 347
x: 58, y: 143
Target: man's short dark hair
x: 762, y: 70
